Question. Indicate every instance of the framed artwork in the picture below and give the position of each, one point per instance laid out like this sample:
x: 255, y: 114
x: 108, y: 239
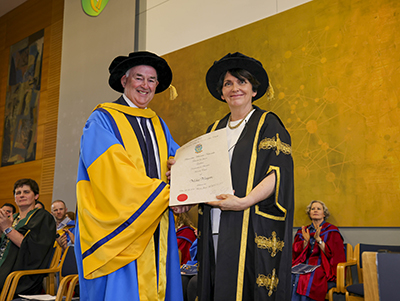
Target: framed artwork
x: 22, y: 100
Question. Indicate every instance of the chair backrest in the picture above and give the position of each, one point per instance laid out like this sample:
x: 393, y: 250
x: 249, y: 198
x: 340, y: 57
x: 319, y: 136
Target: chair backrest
x: 348, y: 248
x: 360, y: 248
x: 388, y: 266
x: 69, y: 267
x: 351, y: 270
x: 55, y: 256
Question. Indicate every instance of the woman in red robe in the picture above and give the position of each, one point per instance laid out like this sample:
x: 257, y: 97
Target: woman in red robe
x: 185, y: 235
x: 319, y: 245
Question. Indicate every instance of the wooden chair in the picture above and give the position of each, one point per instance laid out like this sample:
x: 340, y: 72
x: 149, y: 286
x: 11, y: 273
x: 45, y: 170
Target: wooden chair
x: 355, y: 291
x: 68, y: 276
x: 370, y: 274
x: 11, y: 283
x: 343, y: 275
x: 67, y: 287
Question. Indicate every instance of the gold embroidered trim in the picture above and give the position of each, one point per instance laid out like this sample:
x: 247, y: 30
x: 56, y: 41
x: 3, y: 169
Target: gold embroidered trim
x: 278, y: 183
x: 246, y: 213
x: 200, y: 210
x: 275, y: 143
x: 273, y: 244
x: 215, y: 125
x: 270, y: 282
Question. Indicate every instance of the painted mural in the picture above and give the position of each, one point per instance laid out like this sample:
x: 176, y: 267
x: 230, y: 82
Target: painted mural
x: 334, y: 66
x: 22, y: 100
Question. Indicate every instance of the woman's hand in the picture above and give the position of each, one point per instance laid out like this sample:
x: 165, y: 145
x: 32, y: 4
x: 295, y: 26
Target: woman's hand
x: 317, y: 232
x: 306, y: 235
x: 318, y: 239
x: 229, y: 202
x: 5, y: 221
x: 262, y: 191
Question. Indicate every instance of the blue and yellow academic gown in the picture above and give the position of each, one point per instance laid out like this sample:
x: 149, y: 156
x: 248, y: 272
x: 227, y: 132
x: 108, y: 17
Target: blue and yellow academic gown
x: 126, y: 244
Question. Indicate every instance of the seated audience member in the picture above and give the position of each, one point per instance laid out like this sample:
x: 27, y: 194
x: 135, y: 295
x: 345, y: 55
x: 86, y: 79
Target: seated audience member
x: 185, y: 235
x: 319, y: 247
x: 28, y: 238
x: 9, y: 209
x: 63, y: 223
x: 189, y: 275
x: 39, y: 205
x: 71, y: 215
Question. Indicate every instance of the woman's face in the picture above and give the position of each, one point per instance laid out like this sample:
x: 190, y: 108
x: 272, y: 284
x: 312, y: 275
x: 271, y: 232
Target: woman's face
x: 317, y: 211
x: 237, y: 92
x: 25, y: 197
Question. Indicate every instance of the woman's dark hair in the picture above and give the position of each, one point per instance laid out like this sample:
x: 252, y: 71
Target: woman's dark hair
x: 10, y: 205
x: 31, y: 183
x: 241, y: 74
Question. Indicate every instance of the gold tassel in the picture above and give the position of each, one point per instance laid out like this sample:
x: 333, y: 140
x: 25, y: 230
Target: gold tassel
x: 172, y: 92
x: 270, y: 92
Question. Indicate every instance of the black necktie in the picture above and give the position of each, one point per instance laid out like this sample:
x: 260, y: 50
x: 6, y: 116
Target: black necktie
x: 151, y: 160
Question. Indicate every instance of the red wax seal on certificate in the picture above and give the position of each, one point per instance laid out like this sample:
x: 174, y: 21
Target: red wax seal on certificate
x: 182, y: 197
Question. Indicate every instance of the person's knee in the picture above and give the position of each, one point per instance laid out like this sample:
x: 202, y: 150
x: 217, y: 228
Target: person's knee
x: 192, y: 288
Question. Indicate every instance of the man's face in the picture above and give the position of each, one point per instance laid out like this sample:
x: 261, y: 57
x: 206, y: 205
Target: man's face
x: 140, y: 85
x: 59, y: 211
x: 8, y: 210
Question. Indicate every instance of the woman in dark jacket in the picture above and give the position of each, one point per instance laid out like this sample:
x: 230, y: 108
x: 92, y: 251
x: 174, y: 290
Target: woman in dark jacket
x: 27, y: 238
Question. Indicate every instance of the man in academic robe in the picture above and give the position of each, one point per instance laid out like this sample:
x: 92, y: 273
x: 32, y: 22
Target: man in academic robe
x: 125, y: 242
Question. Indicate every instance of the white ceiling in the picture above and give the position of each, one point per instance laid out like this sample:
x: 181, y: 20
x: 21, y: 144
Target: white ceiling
x: 9, y: 5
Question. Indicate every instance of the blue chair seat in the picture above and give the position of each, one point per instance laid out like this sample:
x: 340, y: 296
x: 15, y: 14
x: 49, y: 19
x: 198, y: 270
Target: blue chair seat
x: 357, y: 289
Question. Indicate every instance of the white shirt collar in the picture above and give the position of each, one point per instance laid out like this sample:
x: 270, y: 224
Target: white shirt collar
x: 129, y: 102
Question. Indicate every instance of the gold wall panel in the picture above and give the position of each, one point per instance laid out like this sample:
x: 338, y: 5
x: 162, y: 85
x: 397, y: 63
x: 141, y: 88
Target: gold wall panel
x: 335, y: 69
x: 18, y: 24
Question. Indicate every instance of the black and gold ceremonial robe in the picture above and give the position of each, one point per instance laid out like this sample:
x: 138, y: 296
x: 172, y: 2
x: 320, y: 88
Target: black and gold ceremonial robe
x: 39, y: 230
x: 254, y: 245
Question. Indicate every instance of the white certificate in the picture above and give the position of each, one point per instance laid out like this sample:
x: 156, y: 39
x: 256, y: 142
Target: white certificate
x: 202, y: 170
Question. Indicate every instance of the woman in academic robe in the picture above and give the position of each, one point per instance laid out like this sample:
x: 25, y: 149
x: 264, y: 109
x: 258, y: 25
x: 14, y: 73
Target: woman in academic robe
x: 185, y: 235
x: 27, y: 238
x: 320, y: 245
x: 244, y: 246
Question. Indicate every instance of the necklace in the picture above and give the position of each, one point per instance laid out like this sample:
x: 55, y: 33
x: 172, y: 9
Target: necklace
x: 236, y: 126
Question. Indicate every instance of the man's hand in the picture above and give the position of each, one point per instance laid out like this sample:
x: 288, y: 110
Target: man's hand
x: 71, y: 236
x: 62, y: 241
x: 171, y: 161
x: 181, y: 209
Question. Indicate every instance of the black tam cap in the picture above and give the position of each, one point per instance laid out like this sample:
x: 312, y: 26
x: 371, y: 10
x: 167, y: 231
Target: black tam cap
x: 121, y: 64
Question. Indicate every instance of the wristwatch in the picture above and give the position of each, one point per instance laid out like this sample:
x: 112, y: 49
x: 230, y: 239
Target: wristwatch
x: 320, y: 242
x: 8, y: 230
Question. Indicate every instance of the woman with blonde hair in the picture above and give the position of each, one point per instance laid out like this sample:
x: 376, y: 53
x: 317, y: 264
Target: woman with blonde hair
x: 318, y: 248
